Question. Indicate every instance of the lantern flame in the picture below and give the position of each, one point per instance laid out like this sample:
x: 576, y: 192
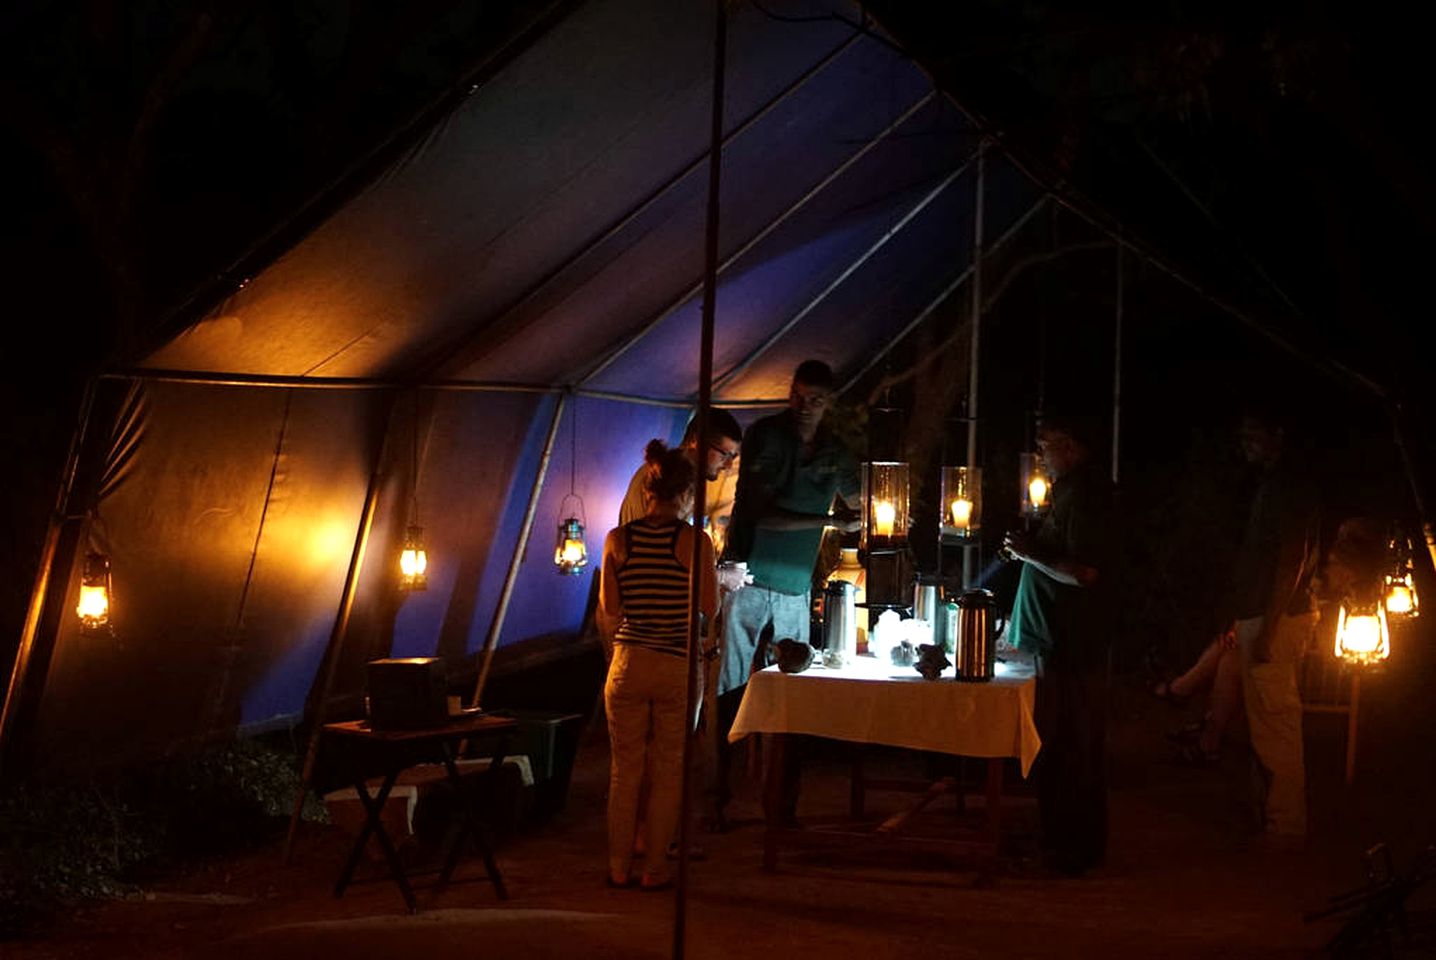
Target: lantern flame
x: 1362, y: 636
x: 884, y: 518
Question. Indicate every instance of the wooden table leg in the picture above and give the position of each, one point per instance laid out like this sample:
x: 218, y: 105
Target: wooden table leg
x: 774, y: 746
x: 994, y: 802
x: 469, y: 800
x: 373, y: 823
x: 857, y: 797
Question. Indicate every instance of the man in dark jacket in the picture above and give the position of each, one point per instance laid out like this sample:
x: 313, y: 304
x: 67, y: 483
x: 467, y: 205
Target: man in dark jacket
x: 1062, y: 616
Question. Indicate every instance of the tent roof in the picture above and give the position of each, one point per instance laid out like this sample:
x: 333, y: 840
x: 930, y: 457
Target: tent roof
x: 548, y: 231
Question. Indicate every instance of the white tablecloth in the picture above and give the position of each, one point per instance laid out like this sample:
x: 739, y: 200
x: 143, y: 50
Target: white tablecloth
x: 871, y: 702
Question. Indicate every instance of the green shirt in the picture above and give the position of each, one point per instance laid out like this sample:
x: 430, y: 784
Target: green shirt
x: 775, y: 474
x: 1049, y: 616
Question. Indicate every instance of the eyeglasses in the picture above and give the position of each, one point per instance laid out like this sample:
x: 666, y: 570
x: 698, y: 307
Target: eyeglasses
x: 727, y: 456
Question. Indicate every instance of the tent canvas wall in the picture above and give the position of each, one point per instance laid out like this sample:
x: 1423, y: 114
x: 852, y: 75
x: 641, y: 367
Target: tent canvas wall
x: 511, y: 307
x: 539, y: 249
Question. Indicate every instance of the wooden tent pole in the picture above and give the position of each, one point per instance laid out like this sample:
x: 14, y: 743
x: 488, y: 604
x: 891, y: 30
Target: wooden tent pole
x: 700, y: 486
x: 491, y: 641
x: 974, y: 360
x: 61, y: 528
x: 319, y: 699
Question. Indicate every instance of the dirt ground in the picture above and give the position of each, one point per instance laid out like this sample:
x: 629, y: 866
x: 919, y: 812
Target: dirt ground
x: 1185, y: 878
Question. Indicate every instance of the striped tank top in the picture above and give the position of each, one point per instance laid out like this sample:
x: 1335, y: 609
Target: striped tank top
x: 653, y: 586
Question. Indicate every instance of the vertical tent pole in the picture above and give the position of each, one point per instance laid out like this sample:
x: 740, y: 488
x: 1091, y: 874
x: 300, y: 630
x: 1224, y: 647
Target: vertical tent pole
x: 974, y: 350
x: 1117, y: 365
x: 319, y: 699
x: 61, y: 529
x: 1352, y: 708
x: 705, y: 398
x: 491, y: 641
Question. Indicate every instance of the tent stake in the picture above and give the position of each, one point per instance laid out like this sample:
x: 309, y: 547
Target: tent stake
x: 491, y: 641
x: 318, y: 702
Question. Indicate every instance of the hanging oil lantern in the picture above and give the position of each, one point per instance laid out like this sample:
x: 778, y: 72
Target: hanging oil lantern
x: 570, y: 552
x: 1400, y: 599
x: 95, y: 594
x: 414, y: 561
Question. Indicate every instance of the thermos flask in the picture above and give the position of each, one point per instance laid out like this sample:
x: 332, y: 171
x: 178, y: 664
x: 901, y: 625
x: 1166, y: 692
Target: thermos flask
x: 976, y: 636
x: 840, y: 623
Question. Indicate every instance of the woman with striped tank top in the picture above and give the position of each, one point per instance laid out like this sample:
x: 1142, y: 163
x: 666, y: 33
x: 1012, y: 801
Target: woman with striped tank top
x: 643, y: 612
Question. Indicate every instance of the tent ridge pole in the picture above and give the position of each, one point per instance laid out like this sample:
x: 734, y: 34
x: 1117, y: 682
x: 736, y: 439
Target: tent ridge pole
x: 627, y: 343
x: 737, y: 369
x: 485, y: 326
x: 1077, y: 204
x: 937, y: 301
x: 491, y: 641
x: 363, y: 172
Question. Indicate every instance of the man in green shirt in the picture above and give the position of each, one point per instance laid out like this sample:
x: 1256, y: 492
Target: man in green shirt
x: 1062, y: 616
x: 791, y: 470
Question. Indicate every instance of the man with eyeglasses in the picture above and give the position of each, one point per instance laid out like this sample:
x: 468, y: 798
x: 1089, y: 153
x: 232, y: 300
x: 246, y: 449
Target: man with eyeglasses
x: 793, y: 467
x: 725, y: 439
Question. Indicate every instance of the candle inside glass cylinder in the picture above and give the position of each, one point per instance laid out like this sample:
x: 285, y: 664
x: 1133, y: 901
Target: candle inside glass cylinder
x: 884, y: 517
x: 962, y: 514
x: 1037, y: 492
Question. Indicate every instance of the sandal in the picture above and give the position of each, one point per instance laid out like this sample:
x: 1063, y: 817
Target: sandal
x: 627, y: 883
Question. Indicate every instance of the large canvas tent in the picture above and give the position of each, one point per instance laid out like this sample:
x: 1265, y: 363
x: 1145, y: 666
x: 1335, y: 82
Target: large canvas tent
x: 500, y: 318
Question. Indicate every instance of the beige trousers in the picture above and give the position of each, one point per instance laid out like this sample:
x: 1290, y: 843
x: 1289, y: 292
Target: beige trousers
x: 1273, y: 706
x: 646, y: 702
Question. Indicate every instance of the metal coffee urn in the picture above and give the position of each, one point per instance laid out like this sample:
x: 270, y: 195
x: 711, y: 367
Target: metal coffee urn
x: 840, y: 623
x: 976, y: 636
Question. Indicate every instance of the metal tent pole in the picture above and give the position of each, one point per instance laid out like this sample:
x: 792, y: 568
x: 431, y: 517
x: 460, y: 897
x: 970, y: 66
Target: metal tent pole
x: 627, y: 343
x: 733, y: 372
x: 319, y: 699
x: 487, y: 327
x: 62, y: 529
x: 938, y: 300
x: 491, y: 641
x: 705, y: 396
x: 1117, y: 365
x: 974, y: 360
